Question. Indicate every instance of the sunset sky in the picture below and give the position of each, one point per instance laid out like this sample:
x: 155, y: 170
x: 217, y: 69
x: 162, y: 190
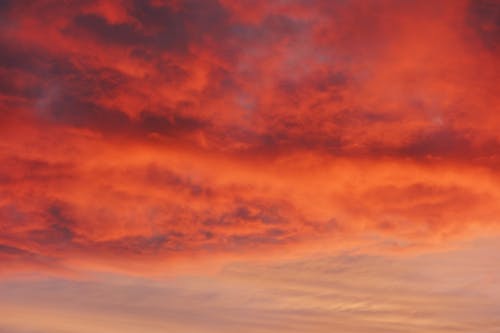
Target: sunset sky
x: 253, y: 166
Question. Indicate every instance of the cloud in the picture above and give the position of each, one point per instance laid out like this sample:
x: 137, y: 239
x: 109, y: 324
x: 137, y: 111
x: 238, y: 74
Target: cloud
x: 483, y: 19
x: 452, y: 291
x: 148, y: 131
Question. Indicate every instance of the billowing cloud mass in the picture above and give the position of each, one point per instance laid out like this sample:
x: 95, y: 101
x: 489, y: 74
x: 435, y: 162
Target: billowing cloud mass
x: 137, y: 132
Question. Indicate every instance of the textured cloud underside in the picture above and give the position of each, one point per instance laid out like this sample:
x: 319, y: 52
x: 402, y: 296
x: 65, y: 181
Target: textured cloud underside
x: 138, y: 131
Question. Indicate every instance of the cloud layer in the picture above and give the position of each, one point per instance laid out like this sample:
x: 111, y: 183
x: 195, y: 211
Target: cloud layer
x: 144, y: 131
x: 454, y: 292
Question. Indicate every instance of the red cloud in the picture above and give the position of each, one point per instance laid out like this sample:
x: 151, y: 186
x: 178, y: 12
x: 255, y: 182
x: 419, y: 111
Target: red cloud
x: 136, y: 130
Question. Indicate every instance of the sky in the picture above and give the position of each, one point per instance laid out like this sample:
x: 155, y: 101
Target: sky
x: 199, y: 166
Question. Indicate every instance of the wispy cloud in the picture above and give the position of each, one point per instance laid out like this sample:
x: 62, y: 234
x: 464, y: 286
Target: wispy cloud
x: 454, y: 291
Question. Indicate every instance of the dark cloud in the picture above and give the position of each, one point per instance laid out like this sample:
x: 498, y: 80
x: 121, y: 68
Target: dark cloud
x: 447, y: 143
x: 15, y: 169
x: 258, y: 239
x: 139, y: 245
x: 157, y: 27
x: 9, y: 250
x: 484, y: 18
